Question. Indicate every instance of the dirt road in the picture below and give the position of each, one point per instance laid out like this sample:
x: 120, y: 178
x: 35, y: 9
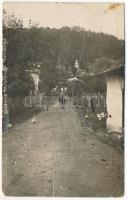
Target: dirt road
x: 57, y: 157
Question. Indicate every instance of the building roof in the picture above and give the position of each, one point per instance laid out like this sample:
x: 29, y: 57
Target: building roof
x: 35, y: 71
x: 119, y: 64
x: 83, y: 73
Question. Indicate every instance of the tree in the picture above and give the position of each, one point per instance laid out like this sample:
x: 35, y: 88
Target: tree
x: 28, y: 46
x: 18, y: 82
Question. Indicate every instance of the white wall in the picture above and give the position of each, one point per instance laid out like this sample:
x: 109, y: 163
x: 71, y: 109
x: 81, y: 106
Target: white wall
x: 36, y: 80
x: 114, y: 104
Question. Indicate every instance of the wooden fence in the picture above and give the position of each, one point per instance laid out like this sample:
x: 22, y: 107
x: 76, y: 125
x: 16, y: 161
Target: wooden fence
x: 19, y: 111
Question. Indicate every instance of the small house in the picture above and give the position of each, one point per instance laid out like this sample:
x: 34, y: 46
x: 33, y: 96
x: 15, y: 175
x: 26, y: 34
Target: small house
x: 115, y: 96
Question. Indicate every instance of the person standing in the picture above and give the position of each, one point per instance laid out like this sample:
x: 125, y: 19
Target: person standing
x: 62, y: 98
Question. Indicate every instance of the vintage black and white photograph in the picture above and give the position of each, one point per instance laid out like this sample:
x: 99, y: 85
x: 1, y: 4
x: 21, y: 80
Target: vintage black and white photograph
x: 63, y: 88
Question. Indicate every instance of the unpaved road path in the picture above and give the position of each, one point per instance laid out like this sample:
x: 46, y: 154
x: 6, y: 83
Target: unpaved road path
x: 57, y: 157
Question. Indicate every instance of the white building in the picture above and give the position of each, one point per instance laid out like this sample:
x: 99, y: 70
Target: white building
x: 76, y: 65
x: 35, y: 75
x: 115, y: 96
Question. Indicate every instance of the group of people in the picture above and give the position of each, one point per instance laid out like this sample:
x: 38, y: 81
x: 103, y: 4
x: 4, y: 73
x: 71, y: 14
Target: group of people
x: 62, y: 99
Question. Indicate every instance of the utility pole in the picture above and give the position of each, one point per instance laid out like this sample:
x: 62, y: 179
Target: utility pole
x: 30, y: 22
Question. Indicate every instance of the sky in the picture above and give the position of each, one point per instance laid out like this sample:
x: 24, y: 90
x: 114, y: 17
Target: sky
x: 98, y: 17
